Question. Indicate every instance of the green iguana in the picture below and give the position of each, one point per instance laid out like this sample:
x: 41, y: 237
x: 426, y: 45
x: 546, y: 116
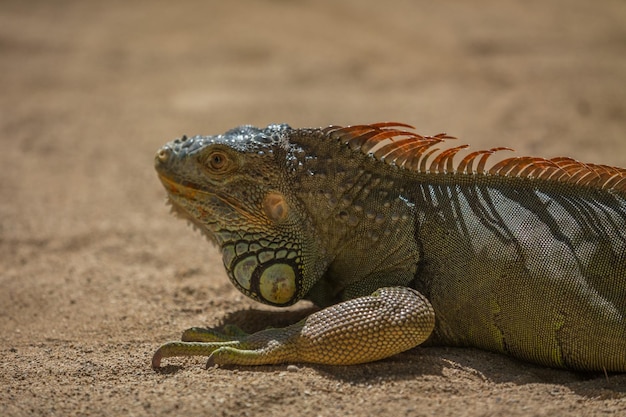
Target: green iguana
x: 526, y: 258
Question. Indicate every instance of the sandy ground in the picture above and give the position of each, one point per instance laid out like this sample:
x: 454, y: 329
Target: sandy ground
x: 95, y: 272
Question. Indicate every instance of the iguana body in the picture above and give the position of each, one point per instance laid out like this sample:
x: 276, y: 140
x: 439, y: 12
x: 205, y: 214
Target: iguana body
x: 526, y: 258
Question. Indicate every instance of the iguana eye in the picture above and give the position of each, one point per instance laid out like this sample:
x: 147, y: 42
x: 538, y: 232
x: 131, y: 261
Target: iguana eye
x: 218, y: 162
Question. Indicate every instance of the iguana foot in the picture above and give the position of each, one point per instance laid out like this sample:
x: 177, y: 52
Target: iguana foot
x: 207, y: 342
x: 360, y: 330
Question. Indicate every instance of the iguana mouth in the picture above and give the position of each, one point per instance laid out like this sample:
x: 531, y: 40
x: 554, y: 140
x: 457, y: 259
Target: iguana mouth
x: 193, y: 192
x: 186, y: 191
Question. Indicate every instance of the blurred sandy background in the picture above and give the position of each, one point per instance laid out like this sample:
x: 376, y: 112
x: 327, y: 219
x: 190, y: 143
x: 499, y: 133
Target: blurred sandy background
x: 94, y: 272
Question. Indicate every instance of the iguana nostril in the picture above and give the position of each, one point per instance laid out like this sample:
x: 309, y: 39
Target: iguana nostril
x: 163, y: 155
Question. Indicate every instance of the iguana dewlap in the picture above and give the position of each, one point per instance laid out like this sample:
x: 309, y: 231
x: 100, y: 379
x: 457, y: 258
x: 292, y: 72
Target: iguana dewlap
x: 402, y: 246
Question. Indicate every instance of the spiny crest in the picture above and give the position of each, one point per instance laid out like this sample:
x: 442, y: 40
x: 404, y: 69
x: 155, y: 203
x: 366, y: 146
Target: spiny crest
x: 389, y: 142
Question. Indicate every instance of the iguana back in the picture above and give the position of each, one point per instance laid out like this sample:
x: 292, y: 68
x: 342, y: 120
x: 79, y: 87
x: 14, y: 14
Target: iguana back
x: 526, y: 258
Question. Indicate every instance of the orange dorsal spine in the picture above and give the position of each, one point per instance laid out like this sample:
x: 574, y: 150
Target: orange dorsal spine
x: 392, y: 143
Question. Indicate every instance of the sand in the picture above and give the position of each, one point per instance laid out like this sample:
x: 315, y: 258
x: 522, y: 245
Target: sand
x: 95, y: 273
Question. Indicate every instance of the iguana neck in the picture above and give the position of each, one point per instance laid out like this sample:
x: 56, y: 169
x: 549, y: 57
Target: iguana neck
x: 358, y: 209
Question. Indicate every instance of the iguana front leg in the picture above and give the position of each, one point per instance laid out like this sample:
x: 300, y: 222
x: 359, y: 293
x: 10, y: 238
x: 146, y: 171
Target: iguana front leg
x: 364, y: 329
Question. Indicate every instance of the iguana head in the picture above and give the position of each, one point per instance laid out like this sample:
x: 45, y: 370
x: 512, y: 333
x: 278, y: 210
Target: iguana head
x: 236, y: 189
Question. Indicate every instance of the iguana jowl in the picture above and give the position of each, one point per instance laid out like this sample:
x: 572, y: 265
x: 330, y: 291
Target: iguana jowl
x: 401, y: 246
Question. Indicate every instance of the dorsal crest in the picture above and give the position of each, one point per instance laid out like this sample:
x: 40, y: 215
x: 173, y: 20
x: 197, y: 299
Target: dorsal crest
x: 392, y: 143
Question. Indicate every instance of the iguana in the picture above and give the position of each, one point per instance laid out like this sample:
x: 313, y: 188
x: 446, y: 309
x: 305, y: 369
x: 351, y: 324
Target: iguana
x: 400, y: 246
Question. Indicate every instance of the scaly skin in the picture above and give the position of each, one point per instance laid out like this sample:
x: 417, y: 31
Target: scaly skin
x: 342, y: 334
x: 527, y: 258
